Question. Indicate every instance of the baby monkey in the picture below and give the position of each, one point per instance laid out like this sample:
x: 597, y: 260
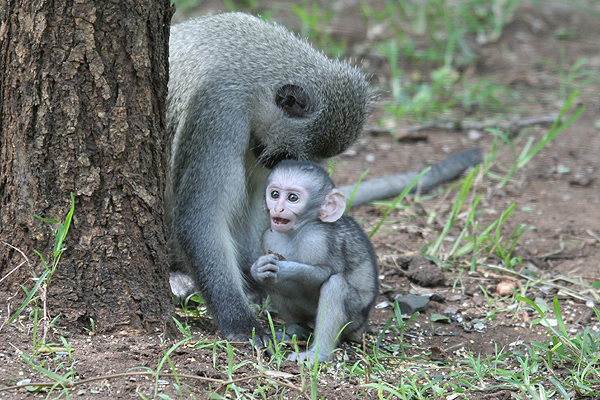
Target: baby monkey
x: 320, y: 268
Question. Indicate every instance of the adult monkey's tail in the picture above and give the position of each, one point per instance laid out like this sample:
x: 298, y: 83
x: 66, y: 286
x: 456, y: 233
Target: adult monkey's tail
x: 392, y: 185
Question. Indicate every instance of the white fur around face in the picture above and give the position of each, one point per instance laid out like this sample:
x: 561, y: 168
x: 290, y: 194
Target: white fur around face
x: 286, y: 199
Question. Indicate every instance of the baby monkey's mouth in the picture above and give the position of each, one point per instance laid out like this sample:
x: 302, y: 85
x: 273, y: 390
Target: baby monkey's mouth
x: 280, y: 221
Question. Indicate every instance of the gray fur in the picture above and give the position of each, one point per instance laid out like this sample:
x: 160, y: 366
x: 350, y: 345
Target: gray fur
x: 329, y: 276
x: 243, y: 95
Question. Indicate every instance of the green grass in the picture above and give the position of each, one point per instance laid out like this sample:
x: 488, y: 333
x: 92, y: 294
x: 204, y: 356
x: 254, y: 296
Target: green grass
x: 36, y: 297
x: 529, y: 149
x: 571, y: 78
x: 441, y: 95
x: 438, y: 34
x: 579, y: 354
x: 398, y: 199
x: 385, y: 370
x: 314, y: 20
x: 477, y: 242
x: 439, y: 30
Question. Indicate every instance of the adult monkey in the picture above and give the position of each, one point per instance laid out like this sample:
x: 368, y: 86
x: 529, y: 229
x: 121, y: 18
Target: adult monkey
x: 244, y: 94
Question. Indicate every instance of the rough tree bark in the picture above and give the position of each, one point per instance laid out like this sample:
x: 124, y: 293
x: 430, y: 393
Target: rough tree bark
x: 82, y: 96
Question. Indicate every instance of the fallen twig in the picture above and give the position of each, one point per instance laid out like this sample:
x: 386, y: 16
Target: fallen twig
x: 18, y: 266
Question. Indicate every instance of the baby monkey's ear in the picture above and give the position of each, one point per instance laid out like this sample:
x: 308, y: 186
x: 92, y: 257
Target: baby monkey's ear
x: 333, y: 207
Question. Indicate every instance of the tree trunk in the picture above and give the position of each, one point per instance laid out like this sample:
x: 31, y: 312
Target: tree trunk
x: 83, y: 95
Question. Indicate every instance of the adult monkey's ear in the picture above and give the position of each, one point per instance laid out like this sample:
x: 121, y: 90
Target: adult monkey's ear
x: 293, y: 100
x: 333, y: 207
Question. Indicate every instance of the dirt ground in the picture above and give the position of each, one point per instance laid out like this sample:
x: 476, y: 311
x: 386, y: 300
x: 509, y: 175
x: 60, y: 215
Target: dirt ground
x: 558, y: 193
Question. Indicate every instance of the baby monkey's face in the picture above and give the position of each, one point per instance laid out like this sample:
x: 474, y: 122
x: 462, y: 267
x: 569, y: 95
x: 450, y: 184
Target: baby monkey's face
x: 286, y: 201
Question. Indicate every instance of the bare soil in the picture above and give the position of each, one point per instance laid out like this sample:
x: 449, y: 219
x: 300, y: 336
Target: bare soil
x: 558, y: 193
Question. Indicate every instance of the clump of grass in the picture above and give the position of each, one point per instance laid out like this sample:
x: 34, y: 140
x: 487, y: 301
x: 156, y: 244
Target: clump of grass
x: 440, y: 30
x: 486, y: 18
x: 529, y: 150
x: 483, y: 242
x: 398, y: 199
x: 423, y: 101
x: 43, y: 281
x: 433, y: 249
x: 480, y: 243
x: 437, y: 96
x: 572, y: 78
x: 578, y: 354
x: 439, y: 34
x: 314, y: 19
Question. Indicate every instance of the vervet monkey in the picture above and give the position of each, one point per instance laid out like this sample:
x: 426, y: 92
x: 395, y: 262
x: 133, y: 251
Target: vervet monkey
x: 244, y: 94
x: 319, y: 267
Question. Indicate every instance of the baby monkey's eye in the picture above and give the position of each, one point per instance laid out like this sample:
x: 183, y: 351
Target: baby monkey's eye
x: 274, y: 194
x: 293, y: 197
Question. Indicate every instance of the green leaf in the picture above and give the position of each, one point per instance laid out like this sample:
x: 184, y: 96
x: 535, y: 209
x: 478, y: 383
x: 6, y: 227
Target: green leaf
x: 355, y: 189
x: 30, y: 295
x: 60, y: 380
x: 401, y: 196
x: 549, y: 322
x: 50, y: 220
x: 440, y: 318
